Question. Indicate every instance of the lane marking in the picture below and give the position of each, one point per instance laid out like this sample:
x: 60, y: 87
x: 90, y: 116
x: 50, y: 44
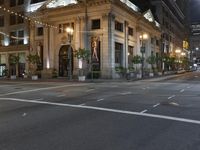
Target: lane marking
x: 39, y: 99
x: 189, y: 87
x: 90, y: 90
x: 185, y: 120
x: 125, y: 93
x: 156, y: 105
x: 82, y: 104
x: 42, y: 89
x: 63, y: 95
x: 171, y: 97
x: 100, y: 99
x: 181, y: 91
x: 143, y: 111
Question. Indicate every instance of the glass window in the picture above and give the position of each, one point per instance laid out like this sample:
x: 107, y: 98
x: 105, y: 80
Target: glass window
x: 118, y: 26
x: 118, y: 53
x: 20, y: 2
x: 12, y: 19
x: 1, y: 21
x: 130, y: 55
x: 20, y: 19
x: 96, y: 24
x: 1, y: 2
x: 39, y: 31
x: 20, y: 36
x: 13, y: 36
x: 130, y: 31
x: 12, y: 3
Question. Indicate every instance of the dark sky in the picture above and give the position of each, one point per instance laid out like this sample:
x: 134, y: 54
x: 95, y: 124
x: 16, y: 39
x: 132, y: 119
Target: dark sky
x: 195, y: 10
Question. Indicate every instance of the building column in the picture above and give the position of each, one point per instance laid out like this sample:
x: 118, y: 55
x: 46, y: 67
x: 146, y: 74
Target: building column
x: 107, y: 49
x: 125, y: 54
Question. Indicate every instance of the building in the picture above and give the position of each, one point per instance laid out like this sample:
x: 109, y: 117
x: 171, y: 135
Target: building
x: 195, y: 44
x: 172, y: 16
x: 111, y: 30
x: 14, y: 35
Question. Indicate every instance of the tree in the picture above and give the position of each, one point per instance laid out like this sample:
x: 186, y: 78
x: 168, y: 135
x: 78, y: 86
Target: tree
x: 137, y: 60
x: 33, y: 60
x: 83, y: 55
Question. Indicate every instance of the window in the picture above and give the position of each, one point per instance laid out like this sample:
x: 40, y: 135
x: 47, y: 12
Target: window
x: 130, y: 54
x: 96, y: 24
x: 20, y: 2
x: 1, y: 39
x: 1, y: 2
x: 130, y: 31
x: 1, y: 21
x: 12, y: 19
x: 13, y: 36
x: 118, y: 26
x: 20, y: 19
x: 20, y: 36
x: 12, y: 3
x: 118, y: 53
x: 36, y: 1
x: 60, y: 28
x: 39, y: 31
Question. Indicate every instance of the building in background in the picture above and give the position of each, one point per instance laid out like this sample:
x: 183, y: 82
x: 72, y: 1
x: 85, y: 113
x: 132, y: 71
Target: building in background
x: 172, y: 16
x: 195, y: 44
x: 14, y: 35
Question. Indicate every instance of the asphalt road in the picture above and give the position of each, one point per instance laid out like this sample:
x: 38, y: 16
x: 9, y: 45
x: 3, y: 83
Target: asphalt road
x: 153, y: 114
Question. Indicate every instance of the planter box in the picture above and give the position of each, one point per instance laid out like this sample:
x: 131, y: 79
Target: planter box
x: 151, y: 74
x: 34, y: 77
x: 81, y: 78
x: 13, y: 77
x: 138, y: 76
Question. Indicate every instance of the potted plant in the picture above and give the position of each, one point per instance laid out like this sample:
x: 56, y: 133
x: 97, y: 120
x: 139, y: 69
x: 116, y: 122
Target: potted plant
x: 151, y: 60
x: 137, y: 60
x: 13, y: 60
x: 33, y: 60
x: 83, y: 55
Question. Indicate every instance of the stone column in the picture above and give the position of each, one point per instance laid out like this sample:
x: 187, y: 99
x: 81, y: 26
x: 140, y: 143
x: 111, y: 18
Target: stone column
x: 108, y: 48
x: 125, y: 52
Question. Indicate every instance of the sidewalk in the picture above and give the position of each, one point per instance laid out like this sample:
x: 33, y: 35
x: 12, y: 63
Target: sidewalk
x: 155, y: 78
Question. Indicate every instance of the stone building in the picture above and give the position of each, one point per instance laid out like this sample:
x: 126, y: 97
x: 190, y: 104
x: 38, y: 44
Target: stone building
x: 114, y: 26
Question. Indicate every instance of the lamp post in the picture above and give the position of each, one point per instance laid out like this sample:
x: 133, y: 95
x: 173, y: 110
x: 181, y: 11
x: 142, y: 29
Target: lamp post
x: 69, y: 31
x: 142, y: 50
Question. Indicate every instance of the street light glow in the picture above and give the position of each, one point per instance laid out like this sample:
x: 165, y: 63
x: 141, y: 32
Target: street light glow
x: 69, y: 30
x: 177, y: 51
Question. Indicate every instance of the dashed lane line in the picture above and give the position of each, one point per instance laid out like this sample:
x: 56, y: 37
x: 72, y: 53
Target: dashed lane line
x: 171, y: 96
x: 181, y: 91
x: 143, y: 111
x: 100, y: 99
x: 42, y: 89
x: 184, y: 120
x: 156, y: 105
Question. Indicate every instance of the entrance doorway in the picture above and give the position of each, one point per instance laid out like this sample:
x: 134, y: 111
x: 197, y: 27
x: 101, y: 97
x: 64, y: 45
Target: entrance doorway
x: 64, y: 61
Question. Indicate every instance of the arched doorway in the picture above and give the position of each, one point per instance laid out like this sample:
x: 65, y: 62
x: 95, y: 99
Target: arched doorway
x: 64, y: 61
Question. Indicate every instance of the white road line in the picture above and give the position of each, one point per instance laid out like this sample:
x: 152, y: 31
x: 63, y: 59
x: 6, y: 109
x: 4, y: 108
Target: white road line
x: 90, y: 90
x: 42, y: 89
x: 39, y: 99
x: 82, y: 104
x: 156, y: 105
x: 181, y: 91
x: 108, y: 110
x: 144, y: 88
x: 61, y: 95
x: 171, y: 97
x: 189, y: 87
x: 125, y: 93
x: 100, y: 99
x: 143, y: 111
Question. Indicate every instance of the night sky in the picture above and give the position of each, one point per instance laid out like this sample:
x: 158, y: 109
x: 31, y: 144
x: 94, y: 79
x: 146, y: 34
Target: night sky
x: 195, y: 11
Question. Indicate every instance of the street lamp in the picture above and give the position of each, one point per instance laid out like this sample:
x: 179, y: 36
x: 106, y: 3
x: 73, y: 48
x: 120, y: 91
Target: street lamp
x: 70, y: 32
x: 142, y: 50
